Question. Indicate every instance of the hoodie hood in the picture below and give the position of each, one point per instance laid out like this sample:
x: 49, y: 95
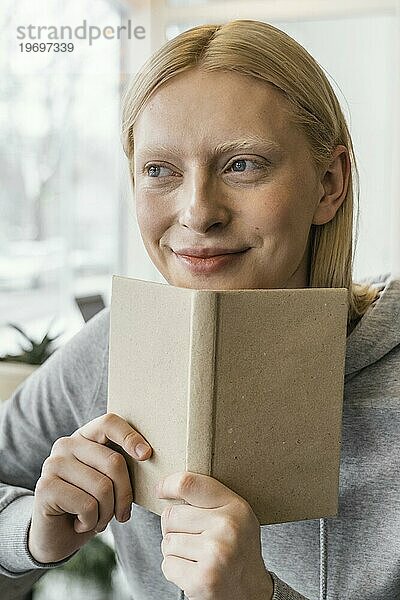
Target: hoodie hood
x: 378, y: 331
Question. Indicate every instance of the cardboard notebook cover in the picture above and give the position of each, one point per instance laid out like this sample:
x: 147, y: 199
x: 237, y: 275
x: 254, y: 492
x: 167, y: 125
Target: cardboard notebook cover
x: 243, y: 385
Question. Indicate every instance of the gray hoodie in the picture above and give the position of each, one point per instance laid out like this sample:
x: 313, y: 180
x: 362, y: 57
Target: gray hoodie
x: 355, y: 555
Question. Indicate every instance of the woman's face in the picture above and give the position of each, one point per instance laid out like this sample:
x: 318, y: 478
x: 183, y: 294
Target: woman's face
x: 260, y: 194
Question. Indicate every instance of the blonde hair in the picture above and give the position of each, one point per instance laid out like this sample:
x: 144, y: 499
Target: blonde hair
x: 260, y: 50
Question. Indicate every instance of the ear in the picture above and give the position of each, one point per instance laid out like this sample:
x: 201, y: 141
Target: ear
x: 334, y: 183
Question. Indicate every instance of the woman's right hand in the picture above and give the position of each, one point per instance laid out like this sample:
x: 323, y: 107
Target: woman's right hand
x: 83, y: 484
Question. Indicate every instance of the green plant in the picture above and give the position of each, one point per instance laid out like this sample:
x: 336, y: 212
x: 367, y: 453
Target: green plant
x: 95, y: 561
x: 37, y: 353
x: 92, y: 567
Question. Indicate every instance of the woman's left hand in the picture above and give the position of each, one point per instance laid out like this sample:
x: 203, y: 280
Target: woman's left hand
x: 211, y: 546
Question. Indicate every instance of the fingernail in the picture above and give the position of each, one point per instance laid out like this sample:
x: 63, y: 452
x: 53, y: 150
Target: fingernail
x: 126, y: 516
x: 141, y: 450
x: 80, y: 527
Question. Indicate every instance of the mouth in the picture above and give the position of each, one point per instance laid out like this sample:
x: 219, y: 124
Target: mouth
x: 210, y: 264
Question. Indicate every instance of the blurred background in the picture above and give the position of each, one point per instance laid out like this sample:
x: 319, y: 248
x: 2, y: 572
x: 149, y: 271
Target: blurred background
x: 67, y: 221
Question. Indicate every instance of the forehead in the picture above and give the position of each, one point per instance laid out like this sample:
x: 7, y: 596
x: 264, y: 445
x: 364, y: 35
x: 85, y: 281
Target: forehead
x: 199, y: 108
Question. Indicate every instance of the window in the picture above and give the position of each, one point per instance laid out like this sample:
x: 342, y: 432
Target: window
x: 60, y: 157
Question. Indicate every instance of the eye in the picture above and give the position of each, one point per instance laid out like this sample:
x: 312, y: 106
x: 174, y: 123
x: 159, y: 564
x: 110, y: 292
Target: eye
x: 154, y: 170
x: 241, y: 164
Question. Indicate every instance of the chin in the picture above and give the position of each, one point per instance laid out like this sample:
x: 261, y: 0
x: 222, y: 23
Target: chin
x: 202, y: 283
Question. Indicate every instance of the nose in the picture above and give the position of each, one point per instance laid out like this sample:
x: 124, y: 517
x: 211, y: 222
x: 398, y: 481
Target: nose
x: 203, y: 203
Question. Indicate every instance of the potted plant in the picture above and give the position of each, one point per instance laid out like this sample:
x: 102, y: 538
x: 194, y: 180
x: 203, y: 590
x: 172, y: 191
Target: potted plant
x: 14, y: 368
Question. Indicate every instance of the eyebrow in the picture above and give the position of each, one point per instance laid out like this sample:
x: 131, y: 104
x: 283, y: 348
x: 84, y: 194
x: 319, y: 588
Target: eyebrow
x: 247, y: 143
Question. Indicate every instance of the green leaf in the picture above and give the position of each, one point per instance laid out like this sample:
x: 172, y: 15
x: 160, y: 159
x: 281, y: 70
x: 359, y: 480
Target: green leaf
x: 37, y: 353
x: 95, y: 561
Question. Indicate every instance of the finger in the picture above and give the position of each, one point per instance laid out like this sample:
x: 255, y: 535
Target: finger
x: 111, y: 463
x: 184, y: 518
x: 112, y: 427
x: 61, y: 497
x: 189, y: 546
x: 198, y: 490
x: 87, y: 479
x: 183, y: 573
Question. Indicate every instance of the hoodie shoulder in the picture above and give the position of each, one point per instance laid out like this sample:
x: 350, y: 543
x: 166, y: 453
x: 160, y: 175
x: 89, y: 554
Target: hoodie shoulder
x: 90, y: 342
x: 76, y: 370
x: 378, y: 332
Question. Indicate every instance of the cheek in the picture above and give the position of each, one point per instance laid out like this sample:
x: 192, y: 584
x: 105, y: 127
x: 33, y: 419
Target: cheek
x: 281, y: 223
x: 272, y: 215
x: 151, y: 220
x: 282, y: 211
x: 143, y: 215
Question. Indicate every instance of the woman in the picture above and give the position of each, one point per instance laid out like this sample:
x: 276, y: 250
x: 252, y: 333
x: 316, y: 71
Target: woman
x: 236, y: 145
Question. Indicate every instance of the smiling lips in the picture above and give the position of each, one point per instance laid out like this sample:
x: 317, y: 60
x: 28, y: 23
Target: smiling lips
x: 206, y: 260
x: 207, y: 252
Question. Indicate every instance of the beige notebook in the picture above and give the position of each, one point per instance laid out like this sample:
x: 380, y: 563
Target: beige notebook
x: 243, y: 385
